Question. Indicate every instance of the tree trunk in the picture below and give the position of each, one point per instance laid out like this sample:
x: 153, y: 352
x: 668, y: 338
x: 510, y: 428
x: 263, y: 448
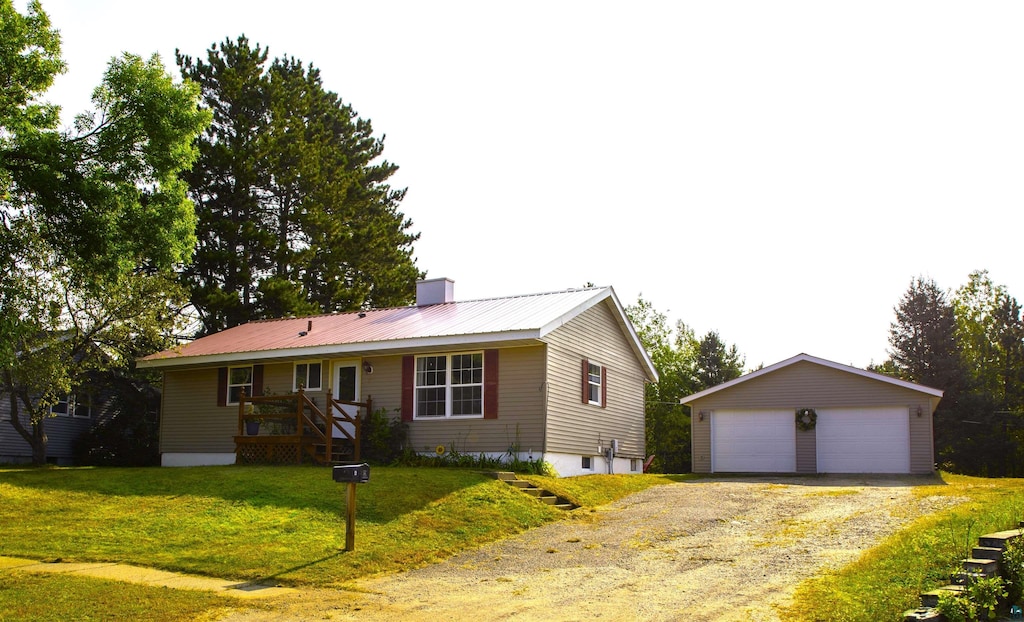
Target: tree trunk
x: 34, y: 435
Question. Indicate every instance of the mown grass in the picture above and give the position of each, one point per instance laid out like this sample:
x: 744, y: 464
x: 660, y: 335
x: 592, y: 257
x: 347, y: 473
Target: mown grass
x: 256, y: 523
x: 600, y: 489
x: 284, y: 524
x: 889, y: 578
x: 280, y: 523
x: 59, y: 598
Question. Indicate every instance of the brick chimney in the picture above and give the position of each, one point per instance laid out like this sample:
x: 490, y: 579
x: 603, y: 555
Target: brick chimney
x: 434, y: 291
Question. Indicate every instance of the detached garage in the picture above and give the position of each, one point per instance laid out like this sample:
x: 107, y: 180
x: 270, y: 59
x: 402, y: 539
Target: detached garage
x: 809, y: 415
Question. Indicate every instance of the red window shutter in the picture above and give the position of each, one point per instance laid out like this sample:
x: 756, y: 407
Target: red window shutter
x: 490, y: 384
x: 586, y: 381
x: 257, y: 380
x: 604, y: 387
x: 222, y: 386
x: 408, y: 378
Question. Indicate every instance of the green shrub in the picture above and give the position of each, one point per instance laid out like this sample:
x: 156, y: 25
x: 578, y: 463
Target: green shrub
x: 978, y: 601
x: 1013, y: 570
x: 382, y: 438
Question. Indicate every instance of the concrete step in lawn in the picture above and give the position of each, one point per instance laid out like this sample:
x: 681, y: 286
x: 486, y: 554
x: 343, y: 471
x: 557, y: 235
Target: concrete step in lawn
x: 983, y: 563
x: 540, y: 494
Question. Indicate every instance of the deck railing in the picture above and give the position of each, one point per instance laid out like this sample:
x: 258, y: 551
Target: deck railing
x: 285, y: 428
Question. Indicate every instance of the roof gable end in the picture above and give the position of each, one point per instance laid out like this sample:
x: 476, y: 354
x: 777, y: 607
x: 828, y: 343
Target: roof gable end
x: 817, y: 361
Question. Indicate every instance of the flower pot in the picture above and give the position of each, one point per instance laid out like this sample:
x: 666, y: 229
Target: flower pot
x: 252, y: 428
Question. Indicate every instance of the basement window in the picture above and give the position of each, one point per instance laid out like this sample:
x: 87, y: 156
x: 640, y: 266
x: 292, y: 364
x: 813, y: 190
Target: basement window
x: 587, y: 464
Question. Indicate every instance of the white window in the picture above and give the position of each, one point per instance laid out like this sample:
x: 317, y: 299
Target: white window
x: 65, y: 406
x: 239, y: 380
x: 83, y: 406
x: 634, y: 464
x: 450, y: 385
x: 594, y: 383
x: 586, y: 463
x: 308, y: 376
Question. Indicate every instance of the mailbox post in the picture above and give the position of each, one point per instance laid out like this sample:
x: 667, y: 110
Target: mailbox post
x: 351, y: 474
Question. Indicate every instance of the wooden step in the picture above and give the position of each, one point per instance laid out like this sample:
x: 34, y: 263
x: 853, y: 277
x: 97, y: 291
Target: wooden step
x: 504, y: 476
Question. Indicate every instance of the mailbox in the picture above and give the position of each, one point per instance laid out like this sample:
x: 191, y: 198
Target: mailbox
x: 352, y: 473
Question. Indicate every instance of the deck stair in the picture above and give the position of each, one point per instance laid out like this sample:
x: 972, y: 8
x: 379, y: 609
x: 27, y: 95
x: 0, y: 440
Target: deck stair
x: 540, y: 494
x: 984, y: 562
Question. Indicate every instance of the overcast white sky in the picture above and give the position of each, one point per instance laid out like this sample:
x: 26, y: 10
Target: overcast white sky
x: 776, y: 171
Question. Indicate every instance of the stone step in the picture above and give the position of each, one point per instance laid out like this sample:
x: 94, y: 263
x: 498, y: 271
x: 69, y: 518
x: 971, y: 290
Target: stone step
x: 549, y: 499
x: 533, y: 492
x: 519, y: 483
x: 922, y: 613
x: 504, y: 476
x: 564, y: 506
x: 999, y: 539
x: 984, y: 567
x: 987, y: 552
x: 931, y: 599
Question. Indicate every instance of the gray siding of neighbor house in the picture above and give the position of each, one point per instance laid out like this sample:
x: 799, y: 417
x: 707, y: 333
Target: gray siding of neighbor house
x: 520, y: 405
x: 577, y: 428
x: 61, y: 433
x: 808, y: 385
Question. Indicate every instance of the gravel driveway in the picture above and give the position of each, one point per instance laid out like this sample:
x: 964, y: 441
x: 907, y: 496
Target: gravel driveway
x: 726, y: 549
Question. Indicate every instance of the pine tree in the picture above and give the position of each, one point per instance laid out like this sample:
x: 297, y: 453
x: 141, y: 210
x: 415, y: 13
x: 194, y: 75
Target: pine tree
x: 296, y: 215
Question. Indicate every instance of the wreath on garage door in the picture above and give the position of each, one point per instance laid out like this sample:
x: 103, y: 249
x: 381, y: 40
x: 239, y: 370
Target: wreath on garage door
x: 806, y: 419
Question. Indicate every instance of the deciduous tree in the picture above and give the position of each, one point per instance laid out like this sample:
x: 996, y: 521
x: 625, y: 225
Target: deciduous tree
x: 93, y: 220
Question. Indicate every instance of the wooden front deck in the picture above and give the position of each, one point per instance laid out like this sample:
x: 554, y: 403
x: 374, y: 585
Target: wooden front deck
x: 292, y: 429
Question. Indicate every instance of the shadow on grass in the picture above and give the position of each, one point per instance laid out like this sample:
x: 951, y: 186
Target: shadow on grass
x: 390, y: 493
x: 273, y: 578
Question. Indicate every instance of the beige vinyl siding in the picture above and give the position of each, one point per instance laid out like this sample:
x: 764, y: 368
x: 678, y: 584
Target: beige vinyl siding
x: 700, y: 441
x: 520, y: 405
x: 384, y: 385
x: 806, y: 450
x: 191, y: 421
x: 808, y: 385
x: 577, y: 428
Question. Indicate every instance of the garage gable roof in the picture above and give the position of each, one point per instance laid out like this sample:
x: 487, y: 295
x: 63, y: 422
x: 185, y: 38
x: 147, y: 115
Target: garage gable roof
x: 817, y: 361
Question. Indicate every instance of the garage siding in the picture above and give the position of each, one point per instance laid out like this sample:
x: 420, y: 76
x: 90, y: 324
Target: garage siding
x: 806, y: 384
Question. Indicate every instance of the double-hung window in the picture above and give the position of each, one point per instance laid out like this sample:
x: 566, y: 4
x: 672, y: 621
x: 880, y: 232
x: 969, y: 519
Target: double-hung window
x: 307, y: 376
x: 594, y: 383
x: 449, y: 385
x: 239, y: 380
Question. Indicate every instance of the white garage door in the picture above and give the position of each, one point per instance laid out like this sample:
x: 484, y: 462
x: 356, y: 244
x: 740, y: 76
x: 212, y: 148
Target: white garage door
x: 753, y: 441
x: 863, y: 440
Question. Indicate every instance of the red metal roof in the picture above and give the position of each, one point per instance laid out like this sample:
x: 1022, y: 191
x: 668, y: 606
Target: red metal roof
x: 476, y: 321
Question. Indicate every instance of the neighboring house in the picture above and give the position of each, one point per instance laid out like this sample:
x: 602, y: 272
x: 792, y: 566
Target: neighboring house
x: 73, y: 416
x: 560, y: 376
x: 850, y: 421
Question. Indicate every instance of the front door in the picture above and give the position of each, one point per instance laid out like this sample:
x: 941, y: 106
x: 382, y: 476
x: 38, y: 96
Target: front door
x: 346, y: 387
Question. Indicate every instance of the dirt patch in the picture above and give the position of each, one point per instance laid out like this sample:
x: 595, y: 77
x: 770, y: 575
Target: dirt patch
x: 706, y: 550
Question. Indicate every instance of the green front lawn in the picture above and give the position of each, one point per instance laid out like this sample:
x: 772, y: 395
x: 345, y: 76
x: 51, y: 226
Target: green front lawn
x: 284, y: 524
